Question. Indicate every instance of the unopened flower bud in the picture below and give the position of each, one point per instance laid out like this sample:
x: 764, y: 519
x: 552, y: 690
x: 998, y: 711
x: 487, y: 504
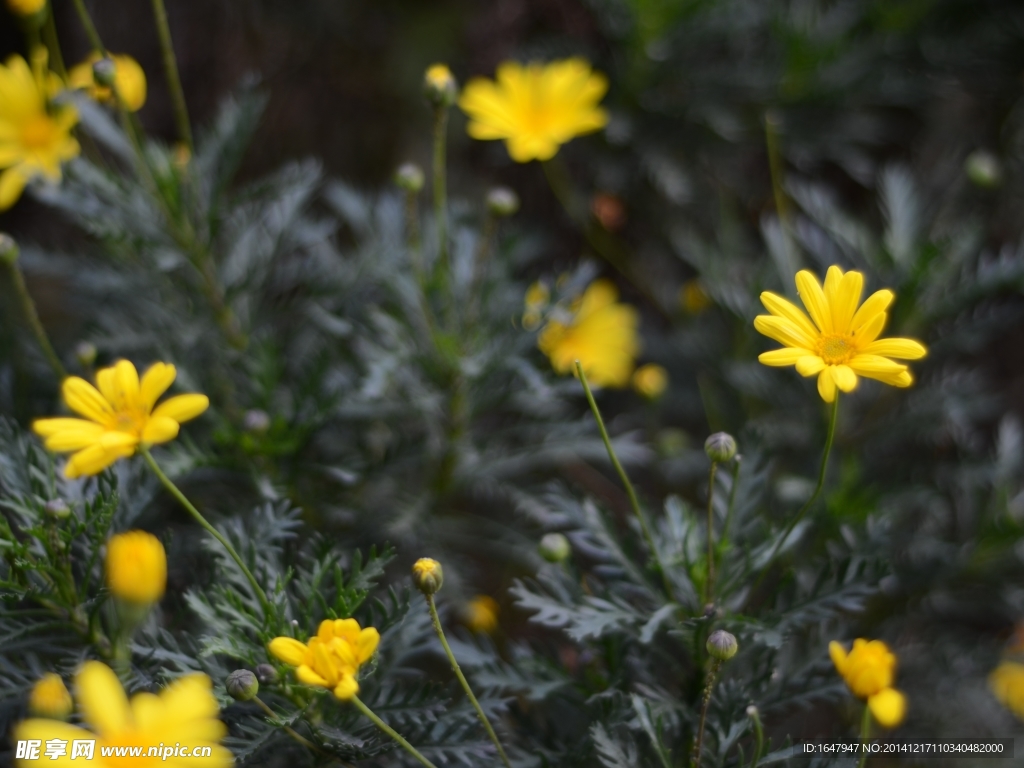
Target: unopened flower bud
x: 984, y: 169
x: 104, y: 72
x: 50, y: 698
x: 242, y: 685
x: 57, y: 508
x: 722, y: 645
x: 8, y: 249
x: 85, y: 353
x: 554, y: 548
x: 266, y: 674
x: 427, y: 575
x: 409, y: 177
x: 256, y: 421
x: 753, y: 713
x: 502, y: 201
x: 720, y: 447
x: 440, y: 86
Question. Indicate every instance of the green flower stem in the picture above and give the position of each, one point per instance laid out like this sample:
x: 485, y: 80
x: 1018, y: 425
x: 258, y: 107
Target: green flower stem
x: 412, y: 232
x: 830, y: 437
x: 465, y: 684
x: 28, y: 306
x: 698, y: 744
x: 441, y: 190
x: 197, y: 515
x: 732, y: 498
x: 90, y: 28
x: 298, y: 737
x: 53, y: 44
x: 709, y: 592
x: 633, y: 500
x: 391, y: 732
x: 759, y: 739
x: 865, y: 734
x: 171, y: 72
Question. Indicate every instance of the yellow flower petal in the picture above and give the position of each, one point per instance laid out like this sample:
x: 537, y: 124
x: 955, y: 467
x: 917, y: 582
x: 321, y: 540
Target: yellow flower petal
x: 838, y: 655
x: 159, y: 429
x: 872, y: 329
x: 902, y: 349
x: 366, y: 644
x: 844, y: 377
x: 12, y: 184
x: 784, y: 356
x: 126, y: 386
x: 781, y: 307
x: 90, y: 461
x: 877, y: 302
x: 826, y: 386
x: 117, y: 441
x: 847, y: 297
x: 305, y: 675
x: 147, y: 710
x: 155, y: 381
x: 72, y: 437
x: 289, y: 650
x: 44, y: 729
x: 888, y: 706
x: 101, y: 699
x: 810, y: 365
x: 784, y: 331
x: 347, y: 688
x: 84, y: 399
x: 183, y: 407
x: 347, y: 629
x: 814, y: 299
x: 873, y: 365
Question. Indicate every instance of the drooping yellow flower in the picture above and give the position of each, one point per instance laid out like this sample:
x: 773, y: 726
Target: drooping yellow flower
x: 184, y: 713
x: 650, y: 381
x: 842, y: 341
x: 50, y: 698
x: 1007, y: 684
x: 136, y: 567
x: 331, y: 659
x: 869, y: 670
x: 35, y: 135
x: 129, y: 79
x: 119, y: 416
x: 535, y: 108
x: 602, y: 335
x: 26, y: 7
x: 481, y: 614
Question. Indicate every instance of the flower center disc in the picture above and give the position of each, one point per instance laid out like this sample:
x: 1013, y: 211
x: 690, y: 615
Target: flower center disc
x: 836, y: 349
x: 37, y: 132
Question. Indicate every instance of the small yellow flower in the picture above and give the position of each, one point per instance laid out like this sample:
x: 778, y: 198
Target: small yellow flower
x: 427, y: 575
x: 26, y: 7
x: 50, y: 698
x: 602, y: 335
x: 650, y: 381
x: 692, y: 297
x: 535, y: 108
x: 842, y: 341
x: 184, y: 712
x: 35, y: 137
x: 481, y: 614
x: 1007, y: 684
x: 136, y: 567
x: 119, y: 416
x: 869, y: 670
x: 129, y: 79
x: 331, y: 659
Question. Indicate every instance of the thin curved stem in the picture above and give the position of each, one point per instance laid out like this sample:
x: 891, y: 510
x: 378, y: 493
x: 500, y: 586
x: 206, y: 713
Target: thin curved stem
x: 633, y: 500
x: 173, y: 77
x: 732, y: 498
x: 90, y: 28
x: 198, y: 516
x: 698, y: 744
x: 759, y: 738
x: 865, y: 734
x: 465, y: 684
x: 391, y: 732
x: 710, y: 591
x: 53, y: 44
x: 29, y: 308
x: 441, y: 189
x: 298, y: 737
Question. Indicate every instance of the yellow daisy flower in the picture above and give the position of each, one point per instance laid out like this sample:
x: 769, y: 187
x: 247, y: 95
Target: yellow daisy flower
x: 331, y: 659
x: 120, y: 416
x: 602, y: 335
x: 35, y: 137
x: 1007, y: 684
x: 136, y: 567
x: 842, y: 341
x: 535, y: 108
x: 185, y: 712
x: 650, y: 380
x: 129, y: 79
x: 869, y: 670
x: 50, y: 698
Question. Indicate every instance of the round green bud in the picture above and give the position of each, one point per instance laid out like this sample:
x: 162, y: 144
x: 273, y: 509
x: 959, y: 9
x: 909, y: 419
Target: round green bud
x: 58, y: 508
x: 502, y: 201
x: 984, y: 169
x: 427, y: 575
x: 440, y: 86
x: 409, y: 177
x: 266, y: 674
x: 256, y: 421
x: 720, y: 447
x: 8, y: 249
x: 722, y: 645
x: 242, y: 685
x: 85, y: 353
x: 554, y: 548
x: 104, y: 72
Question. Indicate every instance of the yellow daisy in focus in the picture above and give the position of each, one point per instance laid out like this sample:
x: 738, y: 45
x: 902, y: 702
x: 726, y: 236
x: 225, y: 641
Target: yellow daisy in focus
x: 602, y: 335
x: 129, y: 79
x: 35, y: 136
x: 185, y: 713
x: 120, y: 416
x: 1007, y: 684
x: 839, y: 342
x: 331, y: 659
x: 869, y: 670
x: 535, y: 108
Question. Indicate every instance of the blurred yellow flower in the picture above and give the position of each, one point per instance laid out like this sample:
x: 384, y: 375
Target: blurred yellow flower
x: 1007, y: 684
x: 136, y: 567
x: 50, y: 698
x: 481, y: 614
x: 119, y: 416
x: 35, y: 136
x: 602, y: 335
x: 535, y: 301
x: 842, y: 341
x: 331, y: 659
x: 129, y: 79
x: 535, y: 108
x: 869, y: 670
x: 692, y: 297
x: 25, y: 7
x: 185, y: 712
x: 650, y: 380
